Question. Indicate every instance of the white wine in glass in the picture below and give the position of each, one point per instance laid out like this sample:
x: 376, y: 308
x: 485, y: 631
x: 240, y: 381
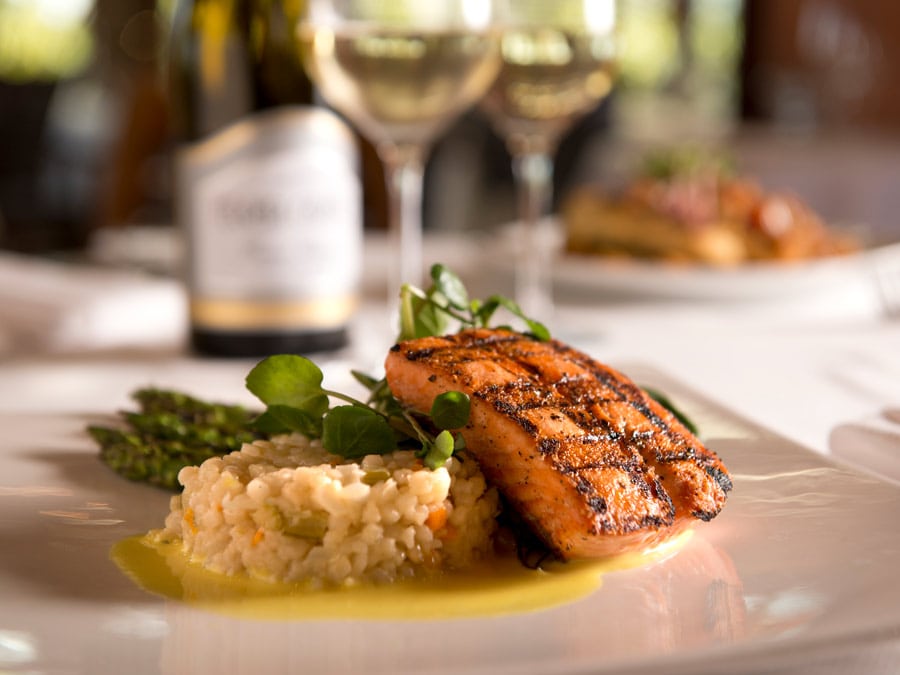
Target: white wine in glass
x: 557, y: 65
x: 401, y: 71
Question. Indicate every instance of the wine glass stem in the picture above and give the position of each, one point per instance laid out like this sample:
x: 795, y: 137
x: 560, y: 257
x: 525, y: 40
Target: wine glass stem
x: 404, y: 175
x: 533, y: 173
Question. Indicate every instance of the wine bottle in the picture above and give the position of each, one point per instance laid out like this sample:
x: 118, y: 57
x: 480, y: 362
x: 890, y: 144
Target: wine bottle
x: 267, y: 185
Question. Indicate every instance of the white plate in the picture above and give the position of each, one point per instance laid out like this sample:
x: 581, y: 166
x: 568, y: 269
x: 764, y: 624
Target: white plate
x: 623, y: 277
x: 758, y: 280
x: 800, y: 565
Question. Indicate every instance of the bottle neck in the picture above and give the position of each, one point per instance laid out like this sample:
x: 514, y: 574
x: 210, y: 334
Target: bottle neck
x: 228, y: 59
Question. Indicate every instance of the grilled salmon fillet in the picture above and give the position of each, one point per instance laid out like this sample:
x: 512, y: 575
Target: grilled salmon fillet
x: 592, y: 464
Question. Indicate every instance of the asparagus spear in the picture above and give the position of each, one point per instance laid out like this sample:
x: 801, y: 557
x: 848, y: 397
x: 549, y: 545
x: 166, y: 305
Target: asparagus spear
x: 169, y: 431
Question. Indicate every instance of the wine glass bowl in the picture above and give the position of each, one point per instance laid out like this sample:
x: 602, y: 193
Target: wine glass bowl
x: 557, y: 65
x: 401, y: 89
x: 401, y: 71
x: 549, y: 79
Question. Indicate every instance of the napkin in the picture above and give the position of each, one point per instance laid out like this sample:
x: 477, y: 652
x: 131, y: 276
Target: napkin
x: 53, y: 306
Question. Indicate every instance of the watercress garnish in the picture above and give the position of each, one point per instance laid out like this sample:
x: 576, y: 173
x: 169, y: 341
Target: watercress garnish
x: 291, y: 385
x: 353, y: 432
x: 450, y: 410
x: 430, y: 311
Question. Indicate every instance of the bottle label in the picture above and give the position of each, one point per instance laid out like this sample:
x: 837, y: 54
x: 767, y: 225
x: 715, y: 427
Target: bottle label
x: 272, y: 209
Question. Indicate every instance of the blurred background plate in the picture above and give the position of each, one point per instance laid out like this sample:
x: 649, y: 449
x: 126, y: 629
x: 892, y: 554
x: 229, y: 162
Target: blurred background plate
x: 611, y: 277
x: 754, y: 281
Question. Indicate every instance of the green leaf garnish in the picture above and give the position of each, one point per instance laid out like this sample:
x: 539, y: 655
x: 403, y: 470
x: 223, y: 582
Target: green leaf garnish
x: 536, y: 328
x: 450, y: 286
x: 291, y: 385
x: 365, y: 380
x: 281, y: 418
x: 289, y: 380
x: 422, y: 313
x: 439, y: 451
x: 450, y: 410
x: 269, y: 424
x: 353, y: 432
x: 429, y: 312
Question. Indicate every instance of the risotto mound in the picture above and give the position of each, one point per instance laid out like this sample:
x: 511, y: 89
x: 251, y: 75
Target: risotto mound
x: 287, y: 510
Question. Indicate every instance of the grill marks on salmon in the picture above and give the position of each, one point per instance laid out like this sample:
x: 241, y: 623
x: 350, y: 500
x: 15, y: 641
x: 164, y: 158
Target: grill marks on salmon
x: 588, y: 460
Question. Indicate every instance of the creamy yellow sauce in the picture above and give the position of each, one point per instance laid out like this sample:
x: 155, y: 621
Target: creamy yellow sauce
x: 499, y: 586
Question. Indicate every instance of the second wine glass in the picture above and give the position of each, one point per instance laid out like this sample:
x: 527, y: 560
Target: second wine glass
x: 557, y: 65
x: 401, y: 71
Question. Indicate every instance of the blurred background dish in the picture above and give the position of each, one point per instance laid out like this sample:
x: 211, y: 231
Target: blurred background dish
x: 693, y: 207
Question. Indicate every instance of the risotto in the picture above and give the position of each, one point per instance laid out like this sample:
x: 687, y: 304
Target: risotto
x: 286, y: 510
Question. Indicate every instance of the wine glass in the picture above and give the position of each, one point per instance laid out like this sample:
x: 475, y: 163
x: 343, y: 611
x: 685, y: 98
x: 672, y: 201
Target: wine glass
x: 401, y: 71
x: 557, y: 63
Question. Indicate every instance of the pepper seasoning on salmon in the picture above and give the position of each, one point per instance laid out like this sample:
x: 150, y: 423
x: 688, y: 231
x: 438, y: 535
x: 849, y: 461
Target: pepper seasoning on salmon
x: 588, y: 460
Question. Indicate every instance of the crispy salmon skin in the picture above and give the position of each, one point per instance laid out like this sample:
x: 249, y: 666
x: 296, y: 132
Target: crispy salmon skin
x: 589, y: 461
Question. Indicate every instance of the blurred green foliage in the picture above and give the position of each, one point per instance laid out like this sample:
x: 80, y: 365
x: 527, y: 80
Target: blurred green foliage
x: 44, y: 40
